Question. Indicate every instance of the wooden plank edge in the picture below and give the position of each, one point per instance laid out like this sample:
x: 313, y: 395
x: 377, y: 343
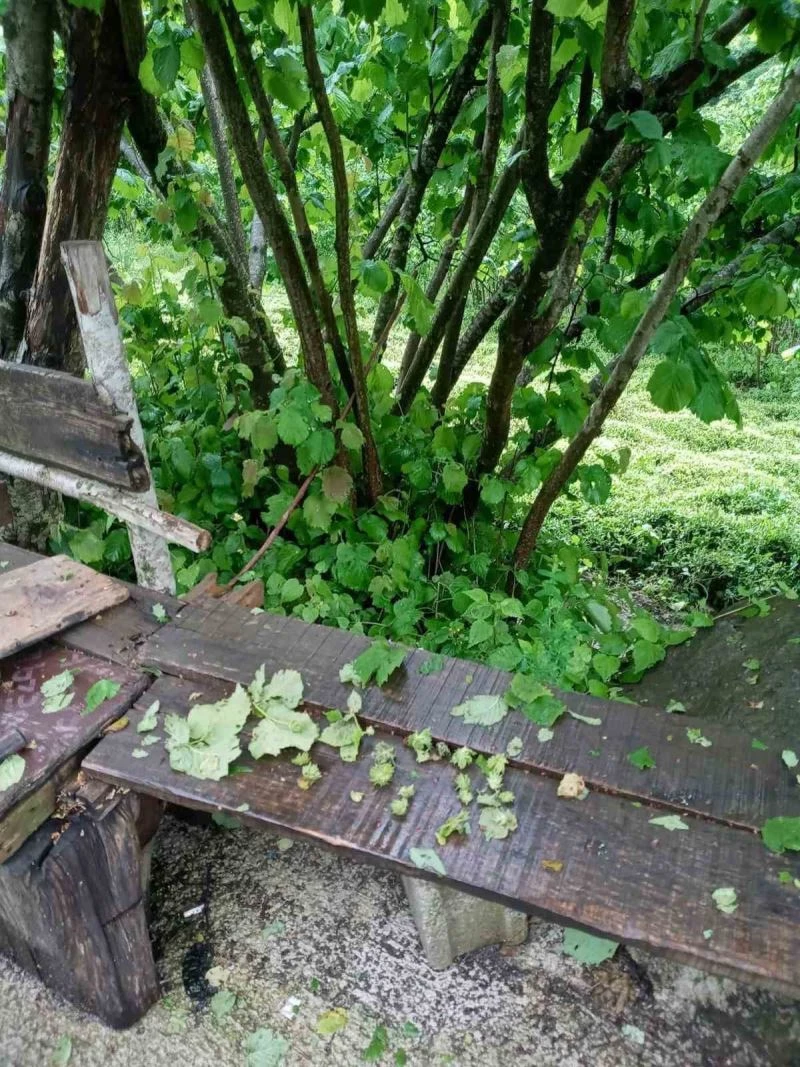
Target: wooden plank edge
x: 703, y: 958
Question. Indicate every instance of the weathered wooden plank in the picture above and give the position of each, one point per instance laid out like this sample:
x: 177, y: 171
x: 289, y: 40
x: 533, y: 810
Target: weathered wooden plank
x: 620, y: 876
x: 50, y: 596
x: 54, y: 738
x: 59, y: 419
x: 114, y: 634
x: 728, y: 781
x: 72, y: 911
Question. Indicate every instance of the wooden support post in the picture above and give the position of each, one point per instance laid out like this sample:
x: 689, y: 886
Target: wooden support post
x: 72, y: 909
x: 89, y: 283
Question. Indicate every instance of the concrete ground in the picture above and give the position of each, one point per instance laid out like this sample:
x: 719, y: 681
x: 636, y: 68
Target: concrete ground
x: 319, y: 959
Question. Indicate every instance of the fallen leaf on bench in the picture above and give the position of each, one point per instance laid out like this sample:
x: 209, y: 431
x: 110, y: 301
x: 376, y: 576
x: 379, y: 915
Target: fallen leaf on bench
x: 102, y: 690
x: 482, y: 710
x: 696, y: 738
x: 427, y: 859
x: 514, y: 747
x: 149, y: 720
x: 159, y: 613
x: 331, y: 1022
x: 375, y: 664
x: 56, y: 692
x: 545, y: 734
x: 789, y: 758
x: 356, y: 797
x: 534, y: 700
x: 140, y: 753
x: 572, y: 787
x: 641, y: 758
x: 725, y: 899
x: 588, y: 719
x: 669, y: 822
x: 117, y: 725
x: 556, y: 866
x: 586, y: 948
x: 782, y: 833
x: 12, y: 769
x: 265, y: 1048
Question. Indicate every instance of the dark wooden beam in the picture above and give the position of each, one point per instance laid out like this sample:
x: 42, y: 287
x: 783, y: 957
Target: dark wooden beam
x: 59, y: 419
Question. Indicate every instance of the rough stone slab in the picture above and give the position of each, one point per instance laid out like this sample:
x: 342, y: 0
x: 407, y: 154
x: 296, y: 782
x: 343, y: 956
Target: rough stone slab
x: 452, y: 923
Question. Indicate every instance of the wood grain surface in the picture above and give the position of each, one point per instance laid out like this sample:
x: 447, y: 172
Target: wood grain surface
x: 58, y: 419
x: 619, y: 875
x: 49, y: 596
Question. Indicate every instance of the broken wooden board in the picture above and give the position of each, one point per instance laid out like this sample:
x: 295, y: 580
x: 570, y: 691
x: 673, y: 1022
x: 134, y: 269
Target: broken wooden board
x: 49, y: 596
x: 728, y: 780
x: 58, y: 419
x: 53, y: 738
x: 114, y: 634
x: 597, y: 864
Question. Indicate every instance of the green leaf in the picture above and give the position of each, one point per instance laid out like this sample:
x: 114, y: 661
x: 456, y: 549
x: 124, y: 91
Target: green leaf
x: 725, y: 899
x: 102, y: 690
x: 62, y: 1052
x: 351, y: 437
x: 376, y: 275
x: 378, y: 663
x: 159, y: 613
x: 292, y: 427
x: 318, y: 511
x: 337, y: 484
x: 57, y: 684
x: 90, y: 5
x: 646, y: 654
x: 671, y: 386
x: 379, y: 1044
x: 641, y: 758
x: 497, y: 822
x: 765, y: 299
x: 647, y: 125
x: 12, y: 769
x: 166, y: 64
x: 427, y: 859
x: 222, y: 1003
x: 420, y: 309
x: 789, y: 758
x: 534, y: 700
x: 454, y: 479
x: 586, y: 948
x: 331, y: 1022
x: 265, y: 1048
x: 317, y: 450
x: 782, y: 834
x: 482, y: 710
x: 669, y: 822
x: 432, y: 665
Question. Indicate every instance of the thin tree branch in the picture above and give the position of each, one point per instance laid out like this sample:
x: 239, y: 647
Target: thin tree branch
x: 286, y: 171
x: 265, y: 199
x: 615, y: 68
x: 696, y: 232
x: 316, y: 81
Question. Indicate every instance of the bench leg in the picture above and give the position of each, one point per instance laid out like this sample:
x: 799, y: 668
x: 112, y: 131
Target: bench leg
x: 72, y: 911
x: 451, y: 923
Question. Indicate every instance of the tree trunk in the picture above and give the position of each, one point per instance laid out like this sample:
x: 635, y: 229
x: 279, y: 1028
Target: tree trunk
x: 28, y: 32
x: 100, y: 86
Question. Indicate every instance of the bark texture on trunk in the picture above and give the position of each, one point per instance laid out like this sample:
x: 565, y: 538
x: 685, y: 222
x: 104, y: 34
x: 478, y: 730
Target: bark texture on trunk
x: 100, y: 88
x: 28, y: 32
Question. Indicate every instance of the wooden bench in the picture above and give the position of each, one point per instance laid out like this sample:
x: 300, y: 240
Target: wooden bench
x: 596, y: 863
